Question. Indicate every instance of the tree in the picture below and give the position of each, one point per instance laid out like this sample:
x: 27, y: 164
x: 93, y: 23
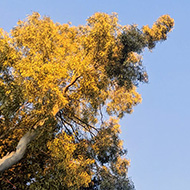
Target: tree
x: 63, y: 90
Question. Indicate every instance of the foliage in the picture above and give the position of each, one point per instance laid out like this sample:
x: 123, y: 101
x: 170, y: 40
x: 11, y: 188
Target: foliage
x: 71, y: 76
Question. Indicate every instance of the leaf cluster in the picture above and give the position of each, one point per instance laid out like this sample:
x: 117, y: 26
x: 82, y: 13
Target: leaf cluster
x: 72, y: 78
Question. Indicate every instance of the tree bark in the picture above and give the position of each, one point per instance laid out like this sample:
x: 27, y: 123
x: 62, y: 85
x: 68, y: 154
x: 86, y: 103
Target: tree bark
x: 13, y: 157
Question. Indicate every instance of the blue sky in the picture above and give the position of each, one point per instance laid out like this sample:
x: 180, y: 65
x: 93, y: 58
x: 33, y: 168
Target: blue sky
x: 157, y: 134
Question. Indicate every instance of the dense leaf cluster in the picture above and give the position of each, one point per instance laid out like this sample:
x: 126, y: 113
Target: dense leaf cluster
x: 78, y: 82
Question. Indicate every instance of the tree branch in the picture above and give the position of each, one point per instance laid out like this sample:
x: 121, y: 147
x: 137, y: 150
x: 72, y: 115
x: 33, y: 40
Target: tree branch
x: 80, y: 122
x: 72, y: 82
x: 12, y: 158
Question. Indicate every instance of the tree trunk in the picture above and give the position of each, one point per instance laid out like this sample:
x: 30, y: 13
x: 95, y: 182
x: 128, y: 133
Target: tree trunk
x: 13, y: 157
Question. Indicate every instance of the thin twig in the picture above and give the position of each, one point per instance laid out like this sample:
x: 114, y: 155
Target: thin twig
x: 88, y: 125
x: 7, y: 181
x: 101, y: 115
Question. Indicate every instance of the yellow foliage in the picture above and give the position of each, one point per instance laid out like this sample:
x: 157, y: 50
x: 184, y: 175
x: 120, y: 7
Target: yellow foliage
x: 76, y: 170
x: 134, y: 57
x: 56, y: 76
x: 46, y: 57
x: 123, y: 100
x: 159, y: 30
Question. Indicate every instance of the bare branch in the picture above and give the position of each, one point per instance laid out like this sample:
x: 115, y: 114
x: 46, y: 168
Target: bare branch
x: 101, y: 114
x: 88, y: 125
x: 72, y: 82
x: 7, y: 181
x: 82, y: 124
x: 22, y: 107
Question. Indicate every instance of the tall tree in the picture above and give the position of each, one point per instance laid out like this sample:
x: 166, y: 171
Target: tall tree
x: 63, y: 90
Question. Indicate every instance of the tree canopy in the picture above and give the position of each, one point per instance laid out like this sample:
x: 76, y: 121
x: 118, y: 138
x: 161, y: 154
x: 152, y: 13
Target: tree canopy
x: 63, y: 89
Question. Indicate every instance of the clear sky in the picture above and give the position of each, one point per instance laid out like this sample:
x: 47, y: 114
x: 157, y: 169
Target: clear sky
x: 157, y: 134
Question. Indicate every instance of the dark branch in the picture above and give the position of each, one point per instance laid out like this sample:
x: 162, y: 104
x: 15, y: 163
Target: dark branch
x: 72, y: 82
x: 88, y: 125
